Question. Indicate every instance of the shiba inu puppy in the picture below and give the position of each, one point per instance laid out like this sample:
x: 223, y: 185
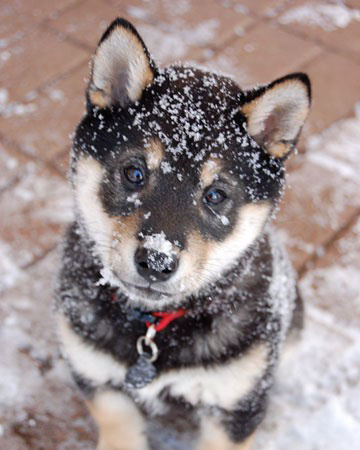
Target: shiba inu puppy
x: 174, y: 299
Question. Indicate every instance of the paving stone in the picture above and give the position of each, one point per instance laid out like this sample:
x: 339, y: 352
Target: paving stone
x: 191, y: 22
x: 257, y: 58
x: 170, y: 32
x: 49, y: 117
x: 62, y: 162
x: 151, y: 11
x: 267, y: 8
x: 86, y: 21
x: 352, y: 3
x: 313, y: 209
x: 39, y: 408
x: 12, y: 165
x: 16, y: 16
x: 333, y: 283
x: 34, y: 59
x: 333, y: 24
x: 35, y: 210
x: 313, y: 404
x: 336, y: 88
x: 322, y: 195
x: 167, y: 47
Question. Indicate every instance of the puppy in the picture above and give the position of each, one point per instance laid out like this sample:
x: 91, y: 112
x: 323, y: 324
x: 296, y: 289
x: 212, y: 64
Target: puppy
x: 174, y: 299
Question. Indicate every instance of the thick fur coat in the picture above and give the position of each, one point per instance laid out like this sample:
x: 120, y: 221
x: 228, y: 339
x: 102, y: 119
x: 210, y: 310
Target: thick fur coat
x: 176, y: 174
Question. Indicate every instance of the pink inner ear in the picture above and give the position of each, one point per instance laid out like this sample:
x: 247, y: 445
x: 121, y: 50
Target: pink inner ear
x: 270, y: 127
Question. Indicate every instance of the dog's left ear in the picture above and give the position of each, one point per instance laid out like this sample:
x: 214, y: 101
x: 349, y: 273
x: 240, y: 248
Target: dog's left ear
x: 276, y: 113
x: 121, y: 67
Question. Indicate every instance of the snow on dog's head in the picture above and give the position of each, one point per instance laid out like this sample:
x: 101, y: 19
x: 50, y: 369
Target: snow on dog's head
x: 177, y: 170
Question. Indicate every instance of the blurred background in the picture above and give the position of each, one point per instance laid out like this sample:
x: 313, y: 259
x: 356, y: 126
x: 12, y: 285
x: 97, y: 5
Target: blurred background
x: 45, y: 48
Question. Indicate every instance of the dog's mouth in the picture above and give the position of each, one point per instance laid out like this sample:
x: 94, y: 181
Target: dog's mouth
x: 149, y: 290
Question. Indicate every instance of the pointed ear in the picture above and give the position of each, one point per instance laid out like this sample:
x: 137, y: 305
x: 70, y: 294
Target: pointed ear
x: 276, y: 113
x: 121, y: 67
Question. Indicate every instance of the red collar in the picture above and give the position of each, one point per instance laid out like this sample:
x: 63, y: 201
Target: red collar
x: 166, y: 318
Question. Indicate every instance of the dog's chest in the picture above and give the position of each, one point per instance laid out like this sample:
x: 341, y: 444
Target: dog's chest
x: 221, y: 384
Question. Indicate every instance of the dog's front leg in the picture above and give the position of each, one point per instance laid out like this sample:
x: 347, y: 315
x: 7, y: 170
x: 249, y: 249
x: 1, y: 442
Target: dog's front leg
x: 214, y: 437
x: 121, y: 426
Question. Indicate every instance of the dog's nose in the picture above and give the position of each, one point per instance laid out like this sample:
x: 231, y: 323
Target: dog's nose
x: 155, y: 266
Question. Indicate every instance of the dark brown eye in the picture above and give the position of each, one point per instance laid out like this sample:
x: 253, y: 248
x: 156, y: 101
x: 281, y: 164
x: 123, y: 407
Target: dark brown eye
x: 214, y: 197
x: 134, y: 175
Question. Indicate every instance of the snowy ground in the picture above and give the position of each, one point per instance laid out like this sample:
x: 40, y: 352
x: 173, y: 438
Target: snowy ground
x: 315, y: 405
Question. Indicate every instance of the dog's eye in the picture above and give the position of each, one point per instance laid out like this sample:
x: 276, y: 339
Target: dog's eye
x: 214, y: 196
x: 134, y: 175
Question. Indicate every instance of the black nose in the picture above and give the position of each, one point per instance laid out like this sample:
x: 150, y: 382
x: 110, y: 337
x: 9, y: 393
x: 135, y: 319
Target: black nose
x: 155, y: 266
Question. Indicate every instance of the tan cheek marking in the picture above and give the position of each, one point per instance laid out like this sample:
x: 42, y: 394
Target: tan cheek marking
x: 249, y: 223
x: 207, y: 258
x: 127, y: 227
x: 214, y: 437
x: 120, y: 423
x: 125, y: 232
x: 194, y: 255
x: 87, y: 181
x: 154, y: 154
x: 210, y: 171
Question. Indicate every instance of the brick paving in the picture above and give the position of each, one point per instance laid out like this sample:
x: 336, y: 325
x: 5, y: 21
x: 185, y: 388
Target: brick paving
x: 45, y: 47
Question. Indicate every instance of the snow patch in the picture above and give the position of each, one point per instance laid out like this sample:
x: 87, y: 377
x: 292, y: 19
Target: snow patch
x: 159, y: 243
x: 9, y: 271
x: 166, y: 167
x: 329, y: 17
x: 224, y: 220
x: 172, y: 42
x: 134, y: 198
x: 338, y: 147
x: 10, y: 109
x: 107, y: 277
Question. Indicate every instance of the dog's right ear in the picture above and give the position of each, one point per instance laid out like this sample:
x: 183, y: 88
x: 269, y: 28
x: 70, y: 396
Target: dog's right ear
x: 121, y: 67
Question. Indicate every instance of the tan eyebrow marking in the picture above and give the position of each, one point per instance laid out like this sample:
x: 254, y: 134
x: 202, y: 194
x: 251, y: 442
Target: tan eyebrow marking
x: 154, y: 154
x: 210, y: 171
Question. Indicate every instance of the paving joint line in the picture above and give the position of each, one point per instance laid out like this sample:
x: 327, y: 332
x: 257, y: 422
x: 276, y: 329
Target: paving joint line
x: 308, y: 61
x: 61, y: 76
x: 229, y: 41
x: 326, y: 246
x: 14, y: 145
x: 67, y: 38
x: 12, y: 183
x: 348, y: 54
x: 32, y: 158
x: 39, y: 258
x: 57, y: 13
x: 40, y: 89
x: 53, y: 166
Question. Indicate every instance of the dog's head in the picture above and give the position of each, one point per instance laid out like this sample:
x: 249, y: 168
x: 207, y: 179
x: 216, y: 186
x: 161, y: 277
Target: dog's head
x: 177, y: 170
